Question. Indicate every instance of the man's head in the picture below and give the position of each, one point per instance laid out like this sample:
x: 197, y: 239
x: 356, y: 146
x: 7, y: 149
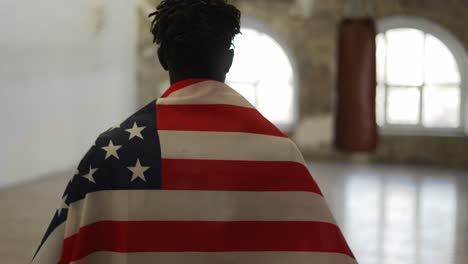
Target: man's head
x: 195, y: 37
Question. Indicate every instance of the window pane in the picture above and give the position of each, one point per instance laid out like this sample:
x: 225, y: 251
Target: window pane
x: 276, y: 109
x: 246, y: 47
x: 441, y: 106
x: 405, y: 49
x: 403, y: 105
x: 381, y: 50
x: 440, y: 63
x: 263, y: 73
x: 380, y: 104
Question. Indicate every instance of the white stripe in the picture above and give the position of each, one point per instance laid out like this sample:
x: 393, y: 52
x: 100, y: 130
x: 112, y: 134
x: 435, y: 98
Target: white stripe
x: 163, y: 205
x: 229, y: 99
x: 219, y: 258
x: 51, y: 250
x: 207, y: 92
x: 227, y: 146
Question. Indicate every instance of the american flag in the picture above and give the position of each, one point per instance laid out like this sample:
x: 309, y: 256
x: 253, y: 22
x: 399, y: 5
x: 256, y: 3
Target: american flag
x: 197, y: 176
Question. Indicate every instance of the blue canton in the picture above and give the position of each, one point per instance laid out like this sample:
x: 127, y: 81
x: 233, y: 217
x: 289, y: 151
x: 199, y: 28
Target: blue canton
x: 126, y: 157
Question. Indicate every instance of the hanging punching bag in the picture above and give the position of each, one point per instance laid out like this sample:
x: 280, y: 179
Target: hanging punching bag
x: 356, y: 128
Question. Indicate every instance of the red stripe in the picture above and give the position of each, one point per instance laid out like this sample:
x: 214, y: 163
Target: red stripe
x: 220, y: 118
x: 228, y: 175
x: 172, y: 236
x: 182, y: 84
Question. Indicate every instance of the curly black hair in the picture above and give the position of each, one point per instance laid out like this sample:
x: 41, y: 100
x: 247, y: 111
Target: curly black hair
x: 190, y: 32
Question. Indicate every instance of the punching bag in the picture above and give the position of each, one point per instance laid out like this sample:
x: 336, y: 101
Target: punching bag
x: 356, y: 128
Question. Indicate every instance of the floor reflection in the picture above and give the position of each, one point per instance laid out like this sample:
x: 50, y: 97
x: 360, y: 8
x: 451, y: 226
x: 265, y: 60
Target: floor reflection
x: 389, y: 214
x: 396, y: 215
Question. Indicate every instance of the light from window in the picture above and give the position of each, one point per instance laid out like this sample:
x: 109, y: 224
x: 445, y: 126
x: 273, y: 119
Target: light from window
x: 418, y: 81
x: 263, y: 74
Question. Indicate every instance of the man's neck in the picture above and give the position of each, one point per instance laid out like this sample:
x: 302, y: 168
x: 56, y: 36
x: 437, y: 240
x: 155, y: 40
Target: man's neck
x: 175, y: 77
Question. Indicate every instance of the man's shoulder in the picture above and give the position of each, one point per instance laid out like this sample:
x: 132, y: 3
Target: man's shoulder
x: 123, y: 145
x: 132, y: 127
x: 123, y: 157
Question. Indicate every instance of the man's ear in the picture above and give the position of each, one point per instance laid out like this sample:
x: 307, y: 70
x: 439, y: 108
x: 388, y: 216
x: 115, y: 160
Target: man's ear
x: 162, y: 59
x: 228, y: 60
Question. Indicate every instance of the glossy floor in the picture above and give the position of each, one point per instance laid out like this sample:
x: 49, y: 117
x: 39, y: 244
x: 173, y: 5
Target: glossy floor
x: 389, y: 214
x: 399, y: 215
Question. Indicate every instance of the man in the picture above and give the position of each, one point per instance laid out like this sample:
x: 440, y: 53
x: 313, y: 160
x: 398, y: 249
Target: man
x: 197, y: 176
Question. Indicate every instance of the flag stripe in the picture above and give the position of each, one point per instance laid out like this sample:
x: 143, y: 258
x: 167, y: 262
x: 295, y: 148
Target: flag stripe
x: 196, y: 206
x: 201, y: 118
x: 231, y: 99
x: 52, y: 247
x: 207, y: 92
x: 193, y: 236
x: 182, y: 84
x: 215, y: 257
x: 236, y: 175
x: 227, y: 146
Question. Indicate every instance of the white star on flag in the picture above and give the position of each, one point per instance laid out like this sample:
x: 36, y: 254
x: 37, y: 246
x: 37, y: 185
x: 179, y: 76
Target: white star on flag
x: 111, y: 150
x: 138, y: 171
x: 63, y: 205
x: 135, y: 131
x: 89, y: 175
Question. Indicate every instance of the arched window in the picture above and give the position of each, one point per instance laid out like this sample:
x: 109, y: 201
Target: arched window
x: 421, y: 77
x: 263, y: 73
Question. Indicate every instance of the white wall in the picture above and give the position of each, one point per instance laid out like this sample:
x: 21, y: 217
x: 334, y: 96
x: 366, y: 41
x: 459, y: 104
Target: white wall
x: 62, y: 81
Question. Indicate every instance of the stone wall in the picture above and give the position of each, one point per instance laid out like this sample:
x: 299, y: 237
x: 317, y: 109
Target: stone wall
x: 309, y: 28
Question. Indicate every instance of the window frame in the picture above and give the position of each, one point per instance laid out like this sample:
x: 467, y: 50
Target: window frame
x: 262, y: 27
x: 456, y: 48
